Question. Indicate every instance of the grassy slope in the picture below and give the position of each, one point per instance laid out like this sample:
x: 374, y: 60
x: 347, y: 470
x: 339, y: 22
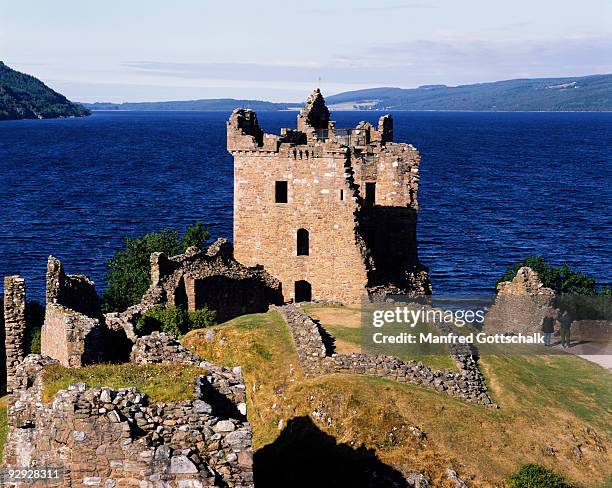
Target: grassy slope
x: 556, y: 402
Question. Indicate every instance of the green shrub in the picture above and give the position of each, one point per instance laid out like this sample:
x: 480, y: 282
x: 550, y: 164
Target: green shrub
x: 562, y: 280
x: 174, y: 320
x: 536, y: 476
x: 202, y: 318
x: 35, y: 344
x: 35, y: 317
x: 129, y: 270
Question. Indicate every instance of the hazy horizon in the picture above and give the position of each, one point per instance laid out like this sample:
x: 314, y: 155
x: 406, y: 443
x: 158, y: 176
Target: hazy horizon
x: 271, y: 50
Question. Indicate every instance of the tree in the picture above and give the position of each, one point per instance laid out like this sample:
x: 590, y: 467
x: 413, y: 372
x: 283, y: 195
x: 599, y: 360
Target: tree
x: 562, y: 280
x: 196, y: 235
x: 129, y: 270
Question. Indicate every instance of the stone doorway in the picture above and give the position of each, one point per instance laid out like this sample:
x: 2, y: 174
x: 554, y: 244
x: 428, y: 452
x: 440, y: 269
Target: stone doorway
x: 303, y: 291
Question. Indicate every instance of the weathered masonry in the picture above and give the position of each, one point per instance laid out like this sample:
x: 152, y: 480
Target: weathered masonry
x: 329, y: 212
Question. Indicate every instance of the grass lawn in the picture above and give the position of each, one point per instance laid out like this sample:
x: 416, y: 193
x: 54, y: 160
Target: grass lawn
x: 161, y: 383
x: 344, y: 324
x: 545, y: 401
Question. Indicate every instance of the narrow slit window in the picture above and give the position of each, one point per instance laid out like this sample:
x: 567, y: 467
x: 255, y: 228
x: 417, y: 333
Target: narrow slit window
x: 280, y: 192
x: 302, y: 242
x: 341, y: 195
x: 370, y: 193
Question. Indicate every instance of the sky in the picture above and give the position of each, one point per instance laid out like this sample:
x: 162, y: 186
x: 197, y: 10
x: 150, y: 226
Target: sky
x: 136, y: 50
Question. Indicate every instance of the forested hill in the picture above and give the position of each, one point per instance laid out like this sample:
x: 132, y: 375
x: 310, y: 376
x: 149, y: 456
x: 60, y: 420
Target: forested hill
x: 588, y: 93
x: 25, y: 97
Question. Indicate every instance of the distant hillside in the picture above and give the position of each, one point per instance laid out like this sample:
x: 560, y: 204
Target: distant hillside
x: 588, y: 93
x: 25, y: 97
x: 208, y: 105
x: 580, y: 94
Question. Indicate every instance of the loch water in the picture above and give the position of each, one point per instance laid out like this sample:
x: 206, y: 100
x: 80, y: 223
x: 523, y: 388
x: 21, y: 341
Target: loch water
x: 494, y: 188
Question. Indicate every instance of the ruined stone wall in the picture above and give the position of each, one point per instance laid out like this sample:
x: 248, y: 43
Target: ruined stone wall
x: 468, y: 384
x: 15, y: 328
x: 353, y: 244
x: 71, y: 337
x: 73, y: 331
x: 212, y: 279
x: 76, y: 292
x: 113, y: 438
x: 520, y: 305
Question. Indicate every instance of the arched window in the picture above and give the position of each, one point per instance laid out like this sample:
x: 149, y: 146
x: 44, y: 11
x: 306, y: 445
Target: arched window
x: 302, y: 242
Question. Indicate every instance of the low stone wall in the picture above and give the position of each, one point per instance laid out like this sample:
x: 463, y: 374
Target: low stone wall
x: 224, y: 384
x: 106, y: 437
x: 468, y: 384
x: 160, y: 347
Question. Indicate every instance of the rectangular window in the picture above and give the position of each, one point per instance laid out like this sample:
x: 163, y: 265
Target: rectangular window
x: 341, y: 195
x: 370, y: 193
x: 280, y: 192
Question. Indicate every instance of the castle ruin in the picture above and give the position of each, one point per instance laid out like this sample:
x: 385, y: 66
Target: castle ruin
x: 329, y: 212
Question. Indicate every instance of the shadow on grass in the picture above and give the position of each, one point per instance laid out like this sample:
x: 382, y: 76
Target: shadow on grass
x: 305, y: 456
x: 329, y: 341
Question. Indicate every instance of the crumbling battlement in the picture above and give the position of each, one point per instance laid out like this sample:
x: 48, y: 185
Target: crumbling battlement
x: 330, y: 212
x: 76, y: 292
x: 105, y: 437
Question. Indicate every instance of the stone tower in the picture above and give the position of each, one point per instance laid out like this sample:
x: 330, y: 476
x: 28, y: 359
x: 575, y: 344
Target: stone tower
x: 330, y: 212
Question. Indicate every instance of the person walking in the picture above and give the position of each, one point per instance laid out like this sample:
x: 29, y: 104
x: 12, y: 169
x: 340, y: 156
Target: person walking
x: 548, y: 326
x: 565, y: 325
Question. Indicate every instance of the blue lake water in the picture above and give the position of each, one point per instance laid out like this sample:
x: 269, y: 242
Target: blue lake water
x: 495, y: 187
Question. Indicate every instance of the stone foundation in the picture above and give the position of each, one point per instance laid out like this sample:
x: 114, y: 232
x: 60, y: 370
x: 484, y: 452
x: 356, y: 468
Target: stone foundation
x: 118, y: 438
